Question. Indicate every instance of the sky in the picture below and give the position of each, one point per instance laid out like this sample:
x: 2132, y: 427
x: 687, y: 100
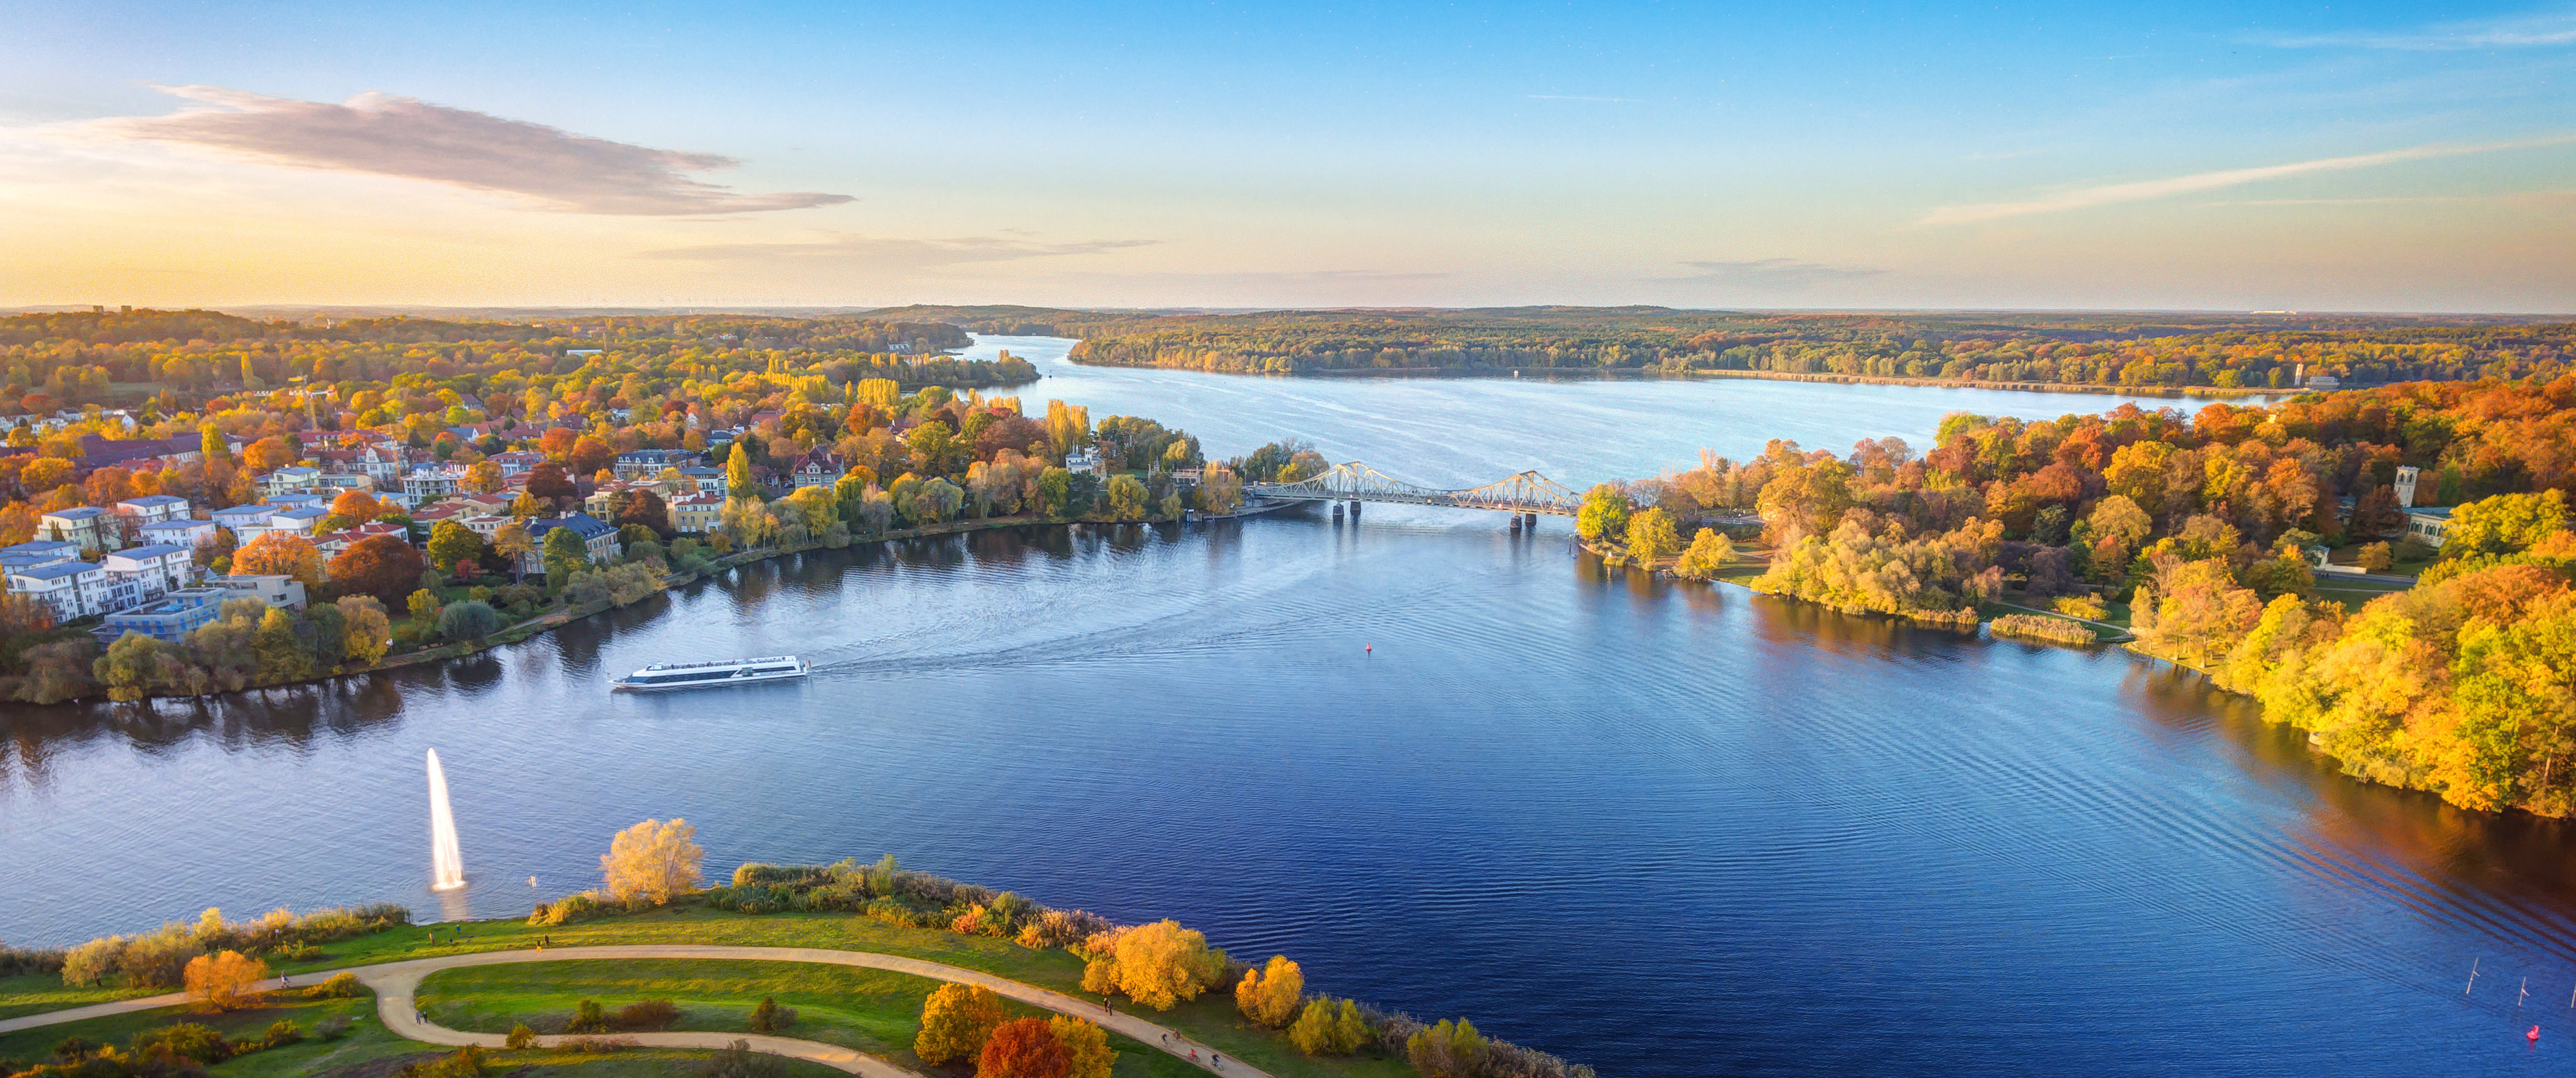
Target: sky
x: 2185, y: 155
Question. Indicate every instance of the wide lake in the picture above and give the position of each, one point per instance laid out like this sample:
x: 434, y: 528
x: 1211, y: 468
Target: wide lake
x: 1665, y: 829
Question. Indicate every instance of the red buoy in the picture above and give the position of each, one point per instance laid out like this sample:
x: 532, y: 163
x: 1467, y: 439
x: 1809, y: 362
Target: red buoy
x: 2533, y: 1035
x: 1369, y: 648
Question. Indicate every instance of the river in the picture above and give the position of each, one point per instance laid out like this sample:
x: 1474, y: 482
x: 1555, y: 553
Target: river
x: 1662, y: 828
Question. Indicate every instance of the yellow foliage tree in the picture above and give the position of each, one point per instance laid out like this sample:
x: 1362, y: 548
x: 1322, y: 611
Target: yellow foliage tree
x: 1086, y: 1047
x: 956, y: 1021
x: 1163, y: 964
x: 280, y: 554
x: 219, y: 980
x: 653, y: 860
x: 1269, y: 996
x: 369, y: 631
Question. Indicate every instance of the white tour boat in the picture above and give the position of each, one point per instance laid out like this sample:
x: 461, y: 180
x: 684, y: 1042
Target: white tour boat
x: 669, y: 677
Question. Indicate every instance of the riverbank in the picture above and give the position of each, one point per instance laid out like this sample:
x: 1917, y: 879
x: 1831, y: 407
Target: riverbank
x: 1660, y: 374
x: 523, y: 631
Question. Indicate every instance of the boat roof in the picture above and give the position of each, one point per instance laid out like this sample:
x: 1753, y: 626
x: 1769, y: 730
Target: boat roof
x: 721, y: 662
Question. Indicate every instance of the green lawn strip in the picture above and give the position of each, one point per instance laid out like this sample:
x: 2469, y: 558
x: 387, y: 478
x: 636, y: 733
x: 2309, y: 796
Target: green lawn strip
x: 874, y: 1011
x: 47, y: 992
x: 367, y: 1038
x: 626, y: 1063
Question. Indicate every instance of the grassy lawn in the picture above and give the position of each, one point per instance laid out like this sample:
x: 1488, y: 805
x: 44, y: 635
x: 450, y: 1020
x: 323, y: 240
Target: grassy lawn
x: 46, y: 992
x: 368, y: 1051
x: 1211, y: 1020
x: 870, y: 1010
x: 874, y: 1011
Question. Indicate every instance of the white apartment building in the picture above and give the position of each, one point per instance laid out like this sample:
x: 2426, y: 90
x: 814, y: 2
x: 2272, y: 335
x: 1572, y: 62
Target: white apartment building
x: 91, y: 527
x: 74, y: 589
x: 430, y: 482
x: 153, y: 508
x: 138, y: 575
x: 186, y: 532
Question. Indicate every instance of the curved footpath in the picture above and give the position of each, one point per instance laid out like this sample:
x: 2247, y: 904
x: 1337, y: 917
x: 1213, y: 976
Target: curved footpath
x: 396, y: 982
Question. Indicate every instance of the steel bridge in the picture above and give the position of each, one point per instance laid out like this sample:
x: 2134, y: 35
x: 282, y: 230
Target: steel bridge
x: 1525, y: 493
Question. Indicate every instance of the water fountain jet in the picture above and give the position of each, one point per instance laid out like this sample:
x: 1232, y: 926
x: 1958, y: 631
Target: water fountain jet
x: 447, y: 864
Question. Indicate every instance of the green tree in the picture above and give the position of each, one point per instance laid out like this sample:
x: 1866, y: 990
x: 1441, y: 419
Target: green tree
x: 1709, y: 553
x: 283, y: 656
x: 472, y: 619
x: 1651, y: 536
x: 1605, y: 512
x: 564, y: 554
x: 1053, y: 486
x: 137, y: 665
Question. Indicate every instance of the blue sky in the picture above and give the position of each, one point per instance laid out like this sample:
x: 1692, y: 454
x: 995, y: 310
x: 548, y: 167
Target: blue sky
x: 2381, y: 157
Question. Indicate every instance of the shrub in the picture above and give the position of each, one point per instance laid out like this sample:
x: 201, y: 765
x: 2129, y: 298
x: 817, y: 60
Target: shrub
x: 595, y: 1045
x: 1062, y: 928
x: 332, y: 1028
x: 769, y: 1017
x: 1269, y: 996
x: 218, y: 980
x: 343, y: 985
x: 2082, y: 606
x: 2043, y: 628
x: 23, y: 962
x: 648, y: 1016
x: 1312, y: 1032
x: 280, y: 1034
x: 467, y: 1062
x: 1160, y: 965
x: 587, y: 1018
x: 1447, y: 1050
x: 187, y: 1040
x: 739, y: 1061
x: 573, y: 907
x: 520, y: 1037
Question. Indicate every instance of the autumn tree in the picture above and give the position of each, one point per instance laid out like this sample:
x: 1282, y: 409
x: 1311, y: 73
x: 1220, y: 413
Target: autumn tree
x: 547, y: 481
x: 1220, y: 490
x: 368, y: 633
x: 1160, y: 965
x: 484, y: 477
x: 2505, y: 523
x: 1269, y: 996
x: 1023, y: 1048
x: 218, y: 981
x: 1604, y: 513
x: 1326, y: 1029
x: 738, y: 481
x: 956, y: 1021
x: 1709, y: 553
x: 452, y: 544
x: 653, y: 861
x: 1651, y: 536
x: 1086, y: 1047
x: 351, y: 508
x: 280, y: 554
x: 641, y: 507
x: 511, y: 543
x: 1126, y: 496
x: 589, y: 455
x: 383, y: 566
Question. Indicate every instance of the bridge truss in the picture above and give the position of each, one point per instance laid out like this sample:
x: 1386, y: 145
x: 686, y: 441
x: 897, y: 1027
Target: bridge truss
x: 1526, y: 492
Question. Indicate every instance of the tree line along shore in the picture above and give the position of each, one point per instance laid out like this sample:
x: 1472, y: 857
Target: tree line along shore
x: 1258, y: 1013
x: 2421, y: 646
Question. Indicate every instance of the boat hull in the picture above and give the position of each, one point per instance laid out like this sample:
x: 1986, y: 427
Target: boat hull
x: 622, y: 685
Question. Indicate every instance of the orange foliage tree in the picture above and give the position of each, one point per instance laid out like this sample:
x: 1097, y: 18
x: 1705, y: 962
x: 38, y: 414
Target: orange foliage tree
x: 281, y: 554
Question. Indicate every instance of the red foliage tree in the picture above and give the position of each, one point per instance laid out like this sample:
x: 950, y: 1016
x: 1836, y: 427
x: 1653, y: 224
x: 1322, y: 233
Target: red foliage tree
x: 548, y: 480
x: 380, y: 565
x: 1023, y: 1048
x: 556, y: 444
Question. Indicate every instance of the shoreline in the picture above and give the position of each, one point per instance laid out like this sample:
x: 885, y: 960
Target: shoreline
x: 524, y: 631
x: 1642, y: 374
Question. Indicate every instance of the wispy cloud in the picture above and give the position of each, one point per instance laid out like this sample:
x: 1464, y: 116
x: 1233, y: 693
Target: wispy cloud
x: 401, y: 136
x: 885, y: 252
x: 2521, y: 31
x: 2110, y: 194
x: 1773, y: 273
x: 1581, y: 97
